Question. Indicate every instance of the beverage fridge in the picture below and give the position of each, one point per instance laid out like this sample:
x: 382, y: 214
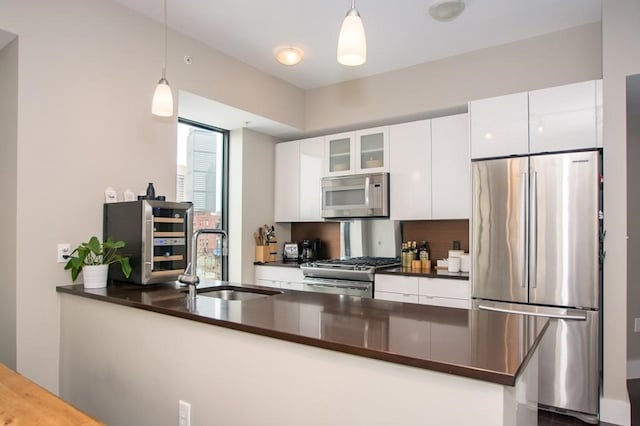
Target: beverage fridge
x: 157, y: 236
x: 537, y: 250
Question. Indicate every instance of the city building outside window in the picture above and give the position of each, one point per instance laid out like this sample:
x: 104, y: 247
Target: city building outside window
x: 202, y: 176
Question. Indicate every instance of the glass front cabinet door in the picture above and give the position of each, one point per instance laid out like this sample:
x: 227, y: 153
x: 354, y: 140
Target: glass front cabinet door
x: 339, y: 154
x: 362, y: 151
x: 372, y: 150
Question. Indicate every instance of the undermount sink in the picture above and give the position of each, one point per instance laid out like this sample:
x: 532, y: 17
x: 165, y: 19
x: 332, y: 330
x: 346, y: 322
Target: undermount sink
x: 230, y: 292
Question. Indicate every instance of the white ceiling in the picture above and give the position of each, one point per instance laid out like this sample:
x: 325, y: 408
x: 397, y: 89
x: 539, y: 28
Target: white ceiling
x: 399, y: 33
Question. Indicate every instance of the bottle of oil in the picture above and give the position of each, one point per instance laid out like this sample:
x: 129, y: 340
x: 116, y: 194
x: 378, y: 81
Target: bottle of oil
x: 405, y: 255
x: 424, y: 251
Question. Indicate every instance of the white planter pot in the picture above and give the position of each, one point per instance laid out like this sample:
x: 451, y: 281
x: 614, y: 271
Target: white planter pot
x: 95, y: 276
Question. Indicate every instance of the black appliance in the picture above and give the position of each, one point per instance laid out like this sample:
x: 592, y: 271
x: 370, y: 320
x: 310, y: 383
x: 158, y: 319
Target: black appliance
x: 157, y: 236
x: 309, y: 250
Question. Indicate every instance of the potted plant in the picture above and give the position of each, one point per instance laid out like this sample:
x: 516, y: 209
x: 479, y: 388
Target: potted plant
x: 94, y: 258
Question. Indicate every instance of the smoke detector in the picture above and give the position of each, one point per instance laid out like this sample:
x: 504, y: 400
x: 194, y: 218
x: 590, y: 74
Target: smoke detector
x: 446, y: 10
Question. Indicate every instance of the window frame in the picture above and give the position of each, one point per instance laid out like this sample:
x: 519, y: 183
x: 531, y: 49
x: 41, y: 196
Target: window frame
x: 225, y: 181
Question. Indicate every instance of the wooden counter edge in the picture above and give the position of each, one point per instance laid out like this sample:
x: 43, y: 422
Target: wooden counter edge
x: 24, y: 402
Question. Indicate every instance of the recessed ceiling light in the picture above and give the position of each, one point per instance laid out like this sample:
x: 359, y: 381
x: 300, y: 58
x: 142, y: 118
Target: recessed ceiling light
x: 446, y: 10
x: 288, y: 55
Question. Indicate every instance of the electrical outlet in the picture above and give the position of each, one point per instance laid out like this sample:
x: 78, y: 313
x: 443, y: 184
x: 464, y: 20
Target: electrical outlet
x: 636, y: 325
x: 64, y: 249
x: 184, y: 413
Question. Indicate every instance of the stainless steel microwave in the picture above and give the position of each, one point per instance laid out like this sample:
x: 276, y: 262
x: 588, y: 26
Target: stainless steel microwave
x: 358, y: 196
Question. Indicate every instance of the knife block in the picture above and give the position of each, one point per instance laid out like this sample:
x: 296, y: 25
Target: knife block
x: 262, y: 254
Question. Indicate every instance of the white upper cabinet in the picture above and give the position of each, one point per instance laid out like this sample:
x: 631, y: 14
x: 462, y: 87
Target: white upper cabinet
x: 563, y: 118
x: 297, y: 192
x: 363, y: 151
x: 311, y: 158
x: 372, y: 150
x: 410, y: 170
x: 450, y: 168
x: 499, y: 126
x: 287, y: 183
x: 339, y: 151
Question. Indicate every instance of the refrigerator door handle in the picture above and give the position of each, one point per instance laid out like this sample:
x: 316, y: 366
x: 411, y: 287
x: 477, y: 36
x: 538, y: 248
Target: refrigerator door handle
x: 533, y: 232
x: 579, y: 316
x: 523, y: 226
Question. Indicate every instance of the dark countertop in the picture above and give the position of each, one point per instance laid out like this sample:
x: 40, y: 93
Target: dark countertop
x: 439, y: 273
x: 390, y: 271
x: 278, y: 263
x: 483, y: 345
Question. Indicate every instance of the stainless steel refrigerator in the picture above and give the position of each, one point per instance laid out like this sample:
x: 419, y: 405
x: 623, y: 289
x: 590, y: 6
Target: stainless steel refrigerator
x: 536, y: 236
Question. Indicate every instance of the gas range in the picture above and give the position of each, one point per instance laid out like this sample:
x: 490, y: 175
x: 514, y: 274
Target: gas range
x: 354, y: 269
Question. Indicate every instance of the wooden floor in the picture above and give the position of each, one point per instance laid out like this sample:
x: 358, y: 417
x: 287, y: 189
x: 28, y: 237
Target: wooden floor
x: 546, y: 418
x: 633, y: 386
x: 551, y: 419
x: 22, y: 402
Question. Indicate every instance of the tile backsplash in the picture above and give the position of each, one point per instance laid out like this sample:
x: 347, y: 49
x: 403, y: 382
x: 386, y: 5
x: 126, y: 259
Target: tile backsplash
x: 327, y: 232
x: 439, y: 233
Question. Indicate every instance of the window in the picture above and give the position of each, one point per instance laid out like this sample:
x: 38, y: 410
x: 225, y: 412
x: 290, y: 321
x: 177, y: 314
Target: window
x: 202, y: 176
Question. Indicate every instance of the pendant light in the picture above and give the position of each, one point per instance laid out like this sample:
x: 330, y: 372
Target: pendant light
x: 162, y: 98
x: 352, y: 43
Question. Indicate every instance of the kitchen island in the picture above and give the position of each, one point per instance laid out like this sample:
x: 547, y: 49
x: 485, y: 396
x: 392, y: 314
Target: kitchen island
x: 293, y: 358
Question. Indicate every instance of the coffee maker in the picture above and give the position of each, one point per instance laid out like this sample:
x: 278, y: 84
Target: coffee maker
x: 309, y: 250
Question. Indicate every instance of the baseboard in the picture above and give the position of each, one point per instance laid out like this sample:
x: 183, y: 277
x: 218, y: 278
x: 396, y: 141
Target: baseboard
x: 615, y: 412
x: 633, y: 369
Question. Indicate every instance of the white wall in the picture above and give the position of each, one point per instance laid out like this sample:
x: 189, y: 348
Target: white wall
x: 8, y: 189
x: 86, y: 75
x: 550, y: 60
x: 251, y: 204
x: 620, y: 57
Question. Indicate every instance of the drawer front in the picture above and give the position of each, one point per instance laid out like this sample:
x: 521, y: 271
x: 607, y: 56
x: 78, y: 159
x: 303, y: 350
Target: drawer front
x: 444, y: 301
x: 278, y: 273
x: 397, y: 297
x: 396, y: 284
x: 267, y: 283
x: 439, y: 287
x: 291, y: 286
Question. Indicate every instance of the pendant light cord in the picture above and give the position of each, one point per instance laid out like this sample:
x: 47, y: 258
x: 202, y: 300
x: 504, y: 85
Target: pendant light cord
x: 164, y: 64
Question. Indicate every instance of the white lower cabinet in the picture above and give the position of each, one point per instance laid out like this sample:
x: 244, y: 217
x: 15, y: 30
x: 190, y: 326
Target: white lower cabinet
x: 451, y: 293
x: 444, y: 292
x: 423, y: 338
x: 397, y: 297
x: 410, y: 335
x: 444, y: 301
x: 286, y: 277
x: 288, y: 285
x: 396, y: 288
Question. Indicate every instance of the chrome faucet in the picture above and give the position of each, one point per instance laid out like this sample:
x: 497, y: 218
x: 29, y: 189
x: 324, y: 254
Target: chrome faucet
x: 190, y: 277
